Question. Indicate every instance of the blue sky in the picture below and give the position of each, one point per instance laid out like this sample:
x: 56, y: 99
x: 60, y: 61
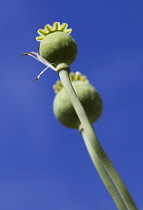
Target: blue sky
x: 44, y: 165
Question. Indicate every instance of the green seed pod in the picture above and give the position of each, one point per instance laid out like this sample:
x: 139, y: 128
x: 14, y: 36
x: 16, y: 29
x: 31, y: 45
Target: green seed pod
x: 56, y: 45
x: 87, y: 95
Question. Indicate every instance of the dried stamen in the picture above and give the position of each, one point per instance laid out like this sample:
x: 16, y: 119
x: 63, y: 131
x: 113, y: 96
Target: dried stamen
x: 42, y: 60
x: 38, y: 77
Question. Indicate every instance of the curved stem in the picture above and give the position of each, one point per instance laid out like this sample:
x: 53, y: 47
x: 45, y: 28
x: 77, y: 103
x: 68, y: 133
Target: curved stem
x: 64, y: 76
x: 103, y: 174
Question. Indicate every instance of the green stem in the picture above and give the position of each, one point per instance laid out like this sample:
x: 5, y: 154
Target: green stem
x: 103, y: 174
x: 64, y: 76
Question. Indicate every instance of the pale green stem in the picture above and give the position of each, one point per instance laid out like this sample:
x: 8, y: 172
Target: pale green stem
x: 104, y: 175
x: 64, y: 76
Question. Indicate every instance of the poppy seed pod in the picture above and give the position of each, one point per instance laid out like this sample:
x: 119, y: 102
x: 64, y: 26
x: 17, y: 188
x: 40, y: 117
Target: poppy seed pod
x: 56, y: 45
x: 88, y: 97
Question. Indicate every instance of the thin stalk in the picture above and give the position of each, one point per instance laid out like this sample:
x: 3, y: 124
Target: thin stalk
x: 103, y: 174
x: 64, y: 76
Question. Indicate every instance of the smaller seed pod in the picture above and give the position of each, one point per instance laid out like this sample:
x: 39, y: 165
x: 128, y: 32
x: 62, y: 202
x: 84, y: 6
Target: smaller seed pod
x: 87, y: 95
x: 56, y: 45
